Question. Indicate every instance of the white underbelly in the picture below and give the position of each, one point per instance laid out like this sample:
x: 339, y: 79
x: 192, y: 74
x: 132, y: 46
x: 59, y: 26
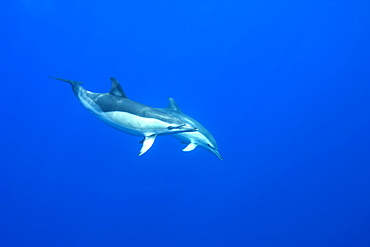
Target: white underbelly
x: 126, y: 122
x: 132, y: 124
x: 190, y: 137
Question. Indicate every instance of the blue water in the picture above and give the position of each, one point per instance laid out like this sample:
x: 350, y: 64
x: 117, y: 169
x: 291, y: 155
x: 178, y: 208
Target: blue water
x: 283, y: 86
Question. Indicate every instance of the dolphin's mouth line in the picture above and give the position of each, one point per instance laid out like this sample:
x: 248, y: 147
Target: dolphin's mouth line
x: 180, y: 126
x: 212, y: 147
x: 192, y: 130
x: 215, y: 151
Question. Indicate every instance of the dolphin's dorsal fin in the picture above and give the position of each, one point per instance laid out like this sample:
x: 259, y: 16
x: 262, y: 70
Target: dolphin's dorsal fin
x: 173, y: 105
x: 116, y: 88
x: 147, y: 143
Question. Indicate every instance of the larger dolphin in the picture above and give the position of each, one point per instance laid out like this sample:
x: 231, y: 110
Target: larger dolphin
x: 202, y: 137
x: 115, y: 109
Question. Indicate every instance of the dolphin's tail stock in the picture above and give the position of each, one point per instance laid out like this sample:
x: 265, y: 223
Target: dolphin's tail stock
x: 74, y: 84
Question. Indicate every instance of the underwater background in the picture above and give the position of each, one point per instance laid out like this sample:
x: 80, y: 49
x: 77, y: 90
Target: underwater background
x: 283, y: 86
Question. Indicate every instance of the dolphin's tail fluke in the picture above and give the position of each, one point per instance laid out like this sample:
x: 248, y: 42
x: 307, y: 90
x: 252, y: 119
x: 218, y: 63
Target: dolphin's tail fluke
x: 74, y: 84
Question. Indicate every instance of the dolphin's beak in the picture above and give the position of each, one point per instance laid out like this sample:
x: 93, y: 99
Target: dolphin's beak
x: 215, y: 152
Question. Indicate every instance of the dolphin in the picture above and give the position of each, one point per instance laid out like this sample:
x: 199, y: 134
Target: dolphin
x: 201, y: 137
x: 116, y: 110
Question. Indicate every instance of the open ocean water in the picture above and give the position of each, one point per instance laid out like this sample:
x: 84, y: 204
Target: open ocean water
x: 283, y: 86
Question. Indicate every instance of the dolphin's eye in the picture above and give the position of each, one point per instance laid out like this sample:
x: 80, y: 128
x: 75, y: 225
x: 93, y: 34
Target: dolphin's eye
x: 171, y: 127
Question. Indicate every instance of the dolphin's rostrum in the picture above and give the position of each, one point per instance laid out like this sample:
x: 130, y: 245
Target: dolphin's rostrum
x: 115, y: 109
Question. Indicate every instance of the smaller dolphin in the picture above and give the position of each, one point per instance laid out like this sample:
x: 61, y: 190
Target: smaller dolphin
x: 202, y: 137
x: 116, y: 110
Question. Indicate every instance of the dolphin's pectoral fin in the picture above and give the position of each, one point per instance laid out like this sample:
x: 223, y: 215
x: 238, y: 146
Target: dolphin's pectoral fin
x: 147, y: 143
x: 190, y: 147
